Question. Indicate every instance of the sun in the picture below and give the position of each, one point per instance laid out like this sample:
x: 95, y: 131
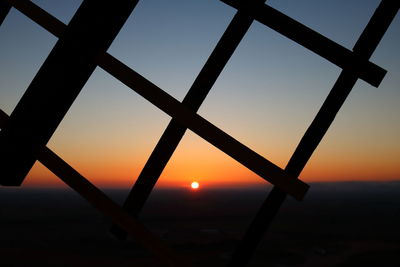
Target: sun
x: 195, y: 185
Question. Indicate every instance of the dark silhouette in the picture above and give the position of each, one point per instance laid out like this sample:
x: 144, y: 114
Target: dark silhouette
x: 82, y: 46
x: 103, y: 203
x: 175, y: 131
x: 4, y: 9
x: 313, y: 41
x: 57, y: 84
x: 364, y: 48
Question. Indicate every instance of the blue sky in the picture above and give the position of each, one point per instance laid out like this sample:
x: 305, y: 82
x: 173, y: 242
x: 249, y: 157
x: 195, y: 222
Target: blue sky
x: 266, y: 96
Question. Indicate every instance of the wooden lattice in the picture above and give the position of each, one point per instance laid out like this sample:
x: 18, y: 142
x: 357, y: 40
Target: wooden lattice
x: 82, y: 46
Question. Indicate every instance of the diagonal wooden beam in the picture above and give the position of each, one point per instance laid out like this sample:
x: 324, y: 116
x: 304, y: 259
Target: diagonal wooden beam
x: 57, y: 84
x: 364, y: 47
x: 174, y: 132
x: 313, y: 41
x: 4, y: 9
x: 104, y: 204
x: 261, y: 166
x: 39, y: 16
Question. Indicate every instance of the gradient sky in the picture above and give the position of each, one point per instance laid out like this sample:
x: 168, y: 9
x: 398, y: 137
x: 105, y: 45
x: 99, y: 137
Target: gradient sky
x: 266, y: 96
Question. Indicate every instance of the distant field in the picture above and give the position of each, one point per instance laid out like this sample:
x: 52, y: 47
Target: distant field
x: 338, y: 224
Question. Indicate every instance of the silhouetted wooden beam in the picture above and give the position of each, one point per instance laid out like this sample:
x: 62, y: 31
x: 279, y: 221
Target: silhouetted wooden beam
x: 40, y: 16
x: 364, y: 47
x: 4, y: 9
x: 194, y: 98
x: 57, y: 84
x: 104, y: 204
x: 312, y: 40
x: 196, y: 123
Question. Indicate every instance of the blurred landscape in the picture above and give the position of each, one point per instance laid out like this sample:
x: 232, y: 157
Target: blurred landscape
x: 338, y: 224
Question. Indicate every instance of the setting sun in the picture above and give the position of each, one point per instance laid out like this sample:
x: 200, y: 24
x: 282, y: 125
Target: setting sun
x: 195, y: 185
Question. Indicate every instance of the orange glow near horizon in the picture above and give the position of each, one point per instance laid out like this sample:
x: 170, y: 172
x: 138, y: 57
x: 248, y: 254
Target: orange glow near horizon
x: 218, y: 172
x: 119, y: 166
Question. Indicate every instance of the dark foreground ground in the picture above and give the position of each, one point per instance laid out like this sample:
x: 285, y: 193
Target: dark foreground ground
x: 341, y: 224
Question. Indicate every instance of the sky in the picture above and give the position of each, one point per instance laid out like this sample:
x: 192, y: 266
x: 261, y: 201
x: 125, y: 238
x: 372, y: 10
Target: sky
x: 266, y: 96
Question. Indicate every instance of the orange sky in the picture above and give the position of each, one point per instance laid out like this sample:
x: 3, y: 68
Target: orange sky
x: 196, y: 160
